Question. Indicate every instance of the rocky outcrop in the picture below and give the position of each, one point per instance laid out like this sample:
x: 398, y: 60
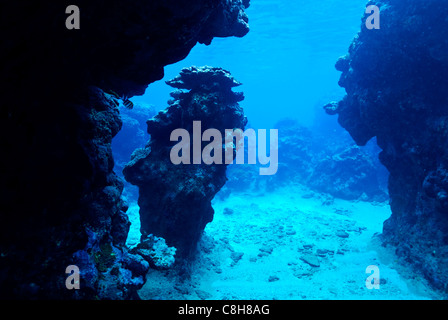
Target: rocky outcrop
x: 396, y: 79
x: 175, y: 199
x: 61, y: 201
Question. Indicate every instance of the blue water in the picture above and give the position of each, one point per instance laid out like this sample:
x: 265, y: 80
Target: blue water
x: 286, y: 62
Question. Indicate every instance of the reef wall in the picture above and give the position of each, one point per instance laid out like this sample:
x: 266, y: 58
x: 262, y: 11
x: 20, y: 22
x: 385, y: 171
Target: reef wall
x: 325, y: 162
x: 61, y: 201
x: 349, y: 173
x: 175, y: 199
x: 396, y: 79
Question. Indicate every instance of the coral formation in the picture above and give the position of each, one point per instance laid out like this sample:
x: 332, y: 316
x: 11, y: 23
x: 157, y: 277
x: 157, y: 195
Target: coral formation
x: 349, y: 174
x: 396, y: 79
x: 156, y: 252
x: 175, y: 200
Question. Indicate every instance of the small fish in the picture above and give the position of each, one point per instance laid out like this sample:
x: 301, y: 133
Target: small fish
x: 128, y: 104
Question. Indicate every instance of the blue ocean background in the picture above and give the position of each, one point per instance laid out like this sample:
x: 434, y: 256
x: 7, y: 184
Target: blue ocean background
x: 310, y: 231
x: 286, y: 62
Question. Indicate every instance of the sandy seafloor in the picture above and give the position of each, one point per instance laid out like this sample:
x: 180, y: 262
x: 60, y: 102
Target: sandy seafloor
x: 290, y: 244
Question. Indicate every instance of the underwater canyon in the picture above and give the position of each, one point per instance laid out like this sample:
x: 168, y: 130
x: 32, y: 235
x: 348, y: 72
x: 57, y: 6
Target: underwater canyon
x: 68, y: 198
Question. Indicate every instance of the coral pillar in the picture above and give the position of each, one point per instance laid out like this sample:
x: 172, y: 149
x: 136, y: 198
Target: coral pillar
x: 175, y: 200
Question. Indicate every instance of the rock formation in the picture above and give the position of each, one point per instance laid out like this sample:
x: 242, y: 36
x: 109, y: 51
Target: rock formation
x: 350, y: 174
x: 396, y: 80
x: 175, y: 200
x: 328, y: 162
x: 61, y: 201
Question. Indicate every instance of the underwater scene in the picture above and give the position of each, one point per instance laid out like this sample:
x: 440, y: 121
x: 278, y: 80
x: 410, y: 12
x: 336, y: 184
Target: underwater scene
x: 224, y: 150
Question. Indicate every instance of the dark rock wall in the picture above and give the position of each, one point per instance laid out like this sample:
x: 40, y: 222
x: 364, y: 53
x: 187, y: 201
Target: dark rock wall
x: 175, y: 200
x: 396, y: 80
x: 60, y: 198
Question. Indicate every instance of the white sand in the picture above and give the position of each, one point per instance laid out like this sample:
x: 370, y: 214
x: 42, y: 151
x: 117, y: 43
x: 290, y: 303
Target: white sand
x: 280, y: 224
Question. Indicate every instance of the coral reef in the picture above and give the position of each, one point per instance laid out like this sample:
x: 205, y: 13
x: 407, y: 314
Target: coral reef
x: 61, y: 200
x: 175, y: 200
x: 350, y: 174
x: 396, y: 79
x: 327, y: 162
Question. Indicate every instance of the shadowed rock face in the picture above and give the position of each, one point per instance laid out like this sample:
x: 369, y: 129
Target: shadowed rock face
x: 396, y: 80
x: 175, y: 200
x: 122, y: 46
x: 61, y: 201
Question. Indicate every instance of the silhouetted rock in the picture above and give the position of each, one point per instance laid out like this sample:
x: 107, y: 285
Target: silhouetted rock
x: 61, y: 200
x: 175, y: 200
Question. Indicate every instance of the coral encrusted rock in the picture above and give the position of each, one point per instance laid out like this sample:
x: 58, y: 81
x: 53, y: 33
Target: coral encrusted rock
x: 175, y: 200
x: 396, y: 79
